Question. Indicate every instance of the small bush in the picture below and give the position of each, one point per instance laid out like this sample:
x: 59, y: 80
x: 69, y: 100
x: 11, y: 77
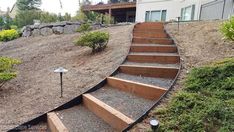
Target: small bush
x: 7, y: 35
x: 14, y: 27
x: 7, y: 71
x: 205, y: 103
x: 84, y: 27
x: 227, y: 29
x: 95, y: 40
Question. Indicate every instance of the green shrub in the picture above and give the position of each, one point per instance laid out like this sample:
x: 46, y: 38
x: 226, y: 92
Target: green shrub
x: 7, y: 71
x: 95, y: 40
x: 227, y: 29
x: 7, y: 35
x: 84, y: 27
x: 14, y: 27
x: 205, y: 103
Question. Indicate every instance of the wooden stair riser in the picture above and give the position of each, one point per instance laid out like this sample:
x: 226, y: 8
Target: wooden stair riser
x: 169, y: 73
x: 152, y: 41
x: 55, y: 124
x: 150, y: 35
x: 160, y: 49
x: 154, y: 59
x: 142, y: 90
x: 148, y: 30
x: 110, y: 115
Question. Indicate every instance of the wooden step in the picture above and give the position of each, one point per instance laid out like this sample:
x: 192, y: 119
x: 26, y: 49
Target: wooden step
x: 150, y: 30
x: 147, y: 58
x: 54, y: 123
x: 141, y: 40
x: 150, y: 35
x: 149, y: 71
x: 110, y: 115
x: 140, y: 89
x: 161, y: 48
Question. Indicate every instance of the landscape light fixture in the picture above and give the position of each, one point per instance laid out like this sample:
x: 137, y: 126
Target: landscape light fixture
x: 178, y: 22
x: 154, y: 125
x: 61, y: 70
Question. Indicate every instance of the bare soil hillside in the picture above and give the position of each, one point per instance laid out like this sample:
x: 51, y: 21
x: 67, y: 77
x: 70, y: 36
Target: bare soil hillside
x: 36, y: 89
x: 199, y: 43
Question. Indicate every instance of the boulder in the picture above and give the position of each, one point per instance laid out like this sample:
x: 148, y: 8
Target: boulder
x: 58, y: 30
x: 70, y: 29
x: 36, y: 32
x: 59, y: 24
x: 26, y: 31
x: 46, y: 31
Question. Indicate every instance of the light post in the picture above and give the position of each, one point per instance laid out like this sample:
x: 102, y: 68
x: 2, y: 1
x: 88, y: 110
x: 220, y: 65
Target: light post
x: 61, y: 70
x: 154, y: 125
x: 178, y: 18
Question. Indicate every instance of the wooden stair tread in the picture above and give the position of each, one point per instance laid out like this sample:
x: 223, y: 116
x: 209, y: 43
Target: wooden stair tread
x: 153, y: 54
x: 81, y: 118
x: 176, y: 65
x: 125, y: 102
x: 149, y: 71
x: 112, y: 116
x: 140, y: 89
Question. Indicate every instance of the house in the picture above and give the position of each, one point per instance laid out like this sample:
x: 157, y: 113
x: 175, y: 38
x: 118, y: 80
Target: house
x: 2, y: 13
x: 187, y: 10
x: 120, y: 11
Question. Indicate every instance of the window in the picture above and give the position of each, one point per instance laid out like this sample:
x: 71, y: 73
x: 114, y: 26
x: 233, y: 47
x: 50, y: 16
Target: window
x: 187, y: 13
x: 153, y: 16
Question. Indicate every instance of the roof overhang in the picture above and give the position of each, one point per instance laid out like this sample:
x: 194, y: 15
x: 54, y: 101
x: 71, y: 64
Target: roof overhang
x: 109, y: 6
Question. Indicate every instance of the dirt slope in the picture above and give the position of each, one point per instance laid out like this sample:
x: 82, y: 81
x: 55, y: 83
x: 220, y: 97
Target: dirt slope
x: 36, y: 89
x: 199, y: 43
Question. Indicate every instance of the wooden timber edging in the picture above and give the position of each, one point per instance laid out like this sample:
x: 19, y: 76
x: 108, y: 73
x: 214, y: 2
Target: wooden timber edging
x: 54, y: 123
x: 162, y: 97
x: 115, y: 118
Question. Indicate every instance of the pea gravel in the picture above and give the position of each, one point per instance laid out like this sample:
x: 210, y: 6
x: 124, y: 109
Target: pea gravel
x: 128, y: 104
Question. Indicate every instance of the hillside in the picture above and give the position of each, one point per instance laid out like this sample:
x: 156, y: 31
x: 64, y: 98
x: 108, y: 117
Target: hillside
x: 36, y: 89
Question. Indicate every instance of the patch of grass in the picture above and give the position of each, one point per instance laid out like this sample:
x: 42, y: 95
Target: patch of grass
x: 206, y: 102
x: 7, y: 71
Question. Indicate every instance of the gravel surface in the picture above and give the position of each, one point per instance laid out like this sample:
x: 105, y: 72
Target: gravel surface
x: 79, y: 118
x: 128, y: 104
x: 152, y: 64
x: 153, y: 53
x: 161, y: 82
x: 199, y: 43
x: 36, y: 88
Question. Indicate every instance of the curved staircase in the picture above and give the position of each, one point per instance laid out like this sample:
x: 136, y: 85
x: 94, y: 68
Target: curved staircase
x: 148, y: 72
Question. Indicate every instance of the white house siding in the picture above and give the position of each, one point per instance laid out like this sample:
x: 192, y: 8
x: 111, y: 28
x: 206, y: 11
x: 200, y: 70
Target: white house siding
x: 173, y: 8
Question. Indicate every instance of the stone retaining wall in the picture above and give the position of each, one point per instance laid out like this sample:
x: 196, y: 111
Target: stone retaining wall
x: 53, y: 28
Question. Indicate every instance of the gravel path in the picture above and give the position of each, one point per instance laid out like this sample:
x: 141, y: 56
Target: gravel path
x: 161, y: 82
x: 36, y: 89
x: 128, y: 104
x: 80, y: 118
x: 152, y: 64
x: 152, y: 53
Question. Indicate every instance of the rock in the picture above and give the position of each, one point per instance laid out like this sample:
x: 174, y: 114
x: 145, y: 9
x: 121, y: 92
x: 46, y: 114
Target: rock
x: 46, y: 26
x: 59, y: 24
x: 26, y: 31
x: 36, y: 32
x: 70, y: 29
x: 58, y: 30
x: 46, y: 31
x: 96, y: 26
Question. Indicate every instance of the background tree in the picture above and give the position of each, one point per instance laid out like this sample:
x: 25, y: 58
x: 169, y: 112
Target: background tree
x: 28, y: 4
